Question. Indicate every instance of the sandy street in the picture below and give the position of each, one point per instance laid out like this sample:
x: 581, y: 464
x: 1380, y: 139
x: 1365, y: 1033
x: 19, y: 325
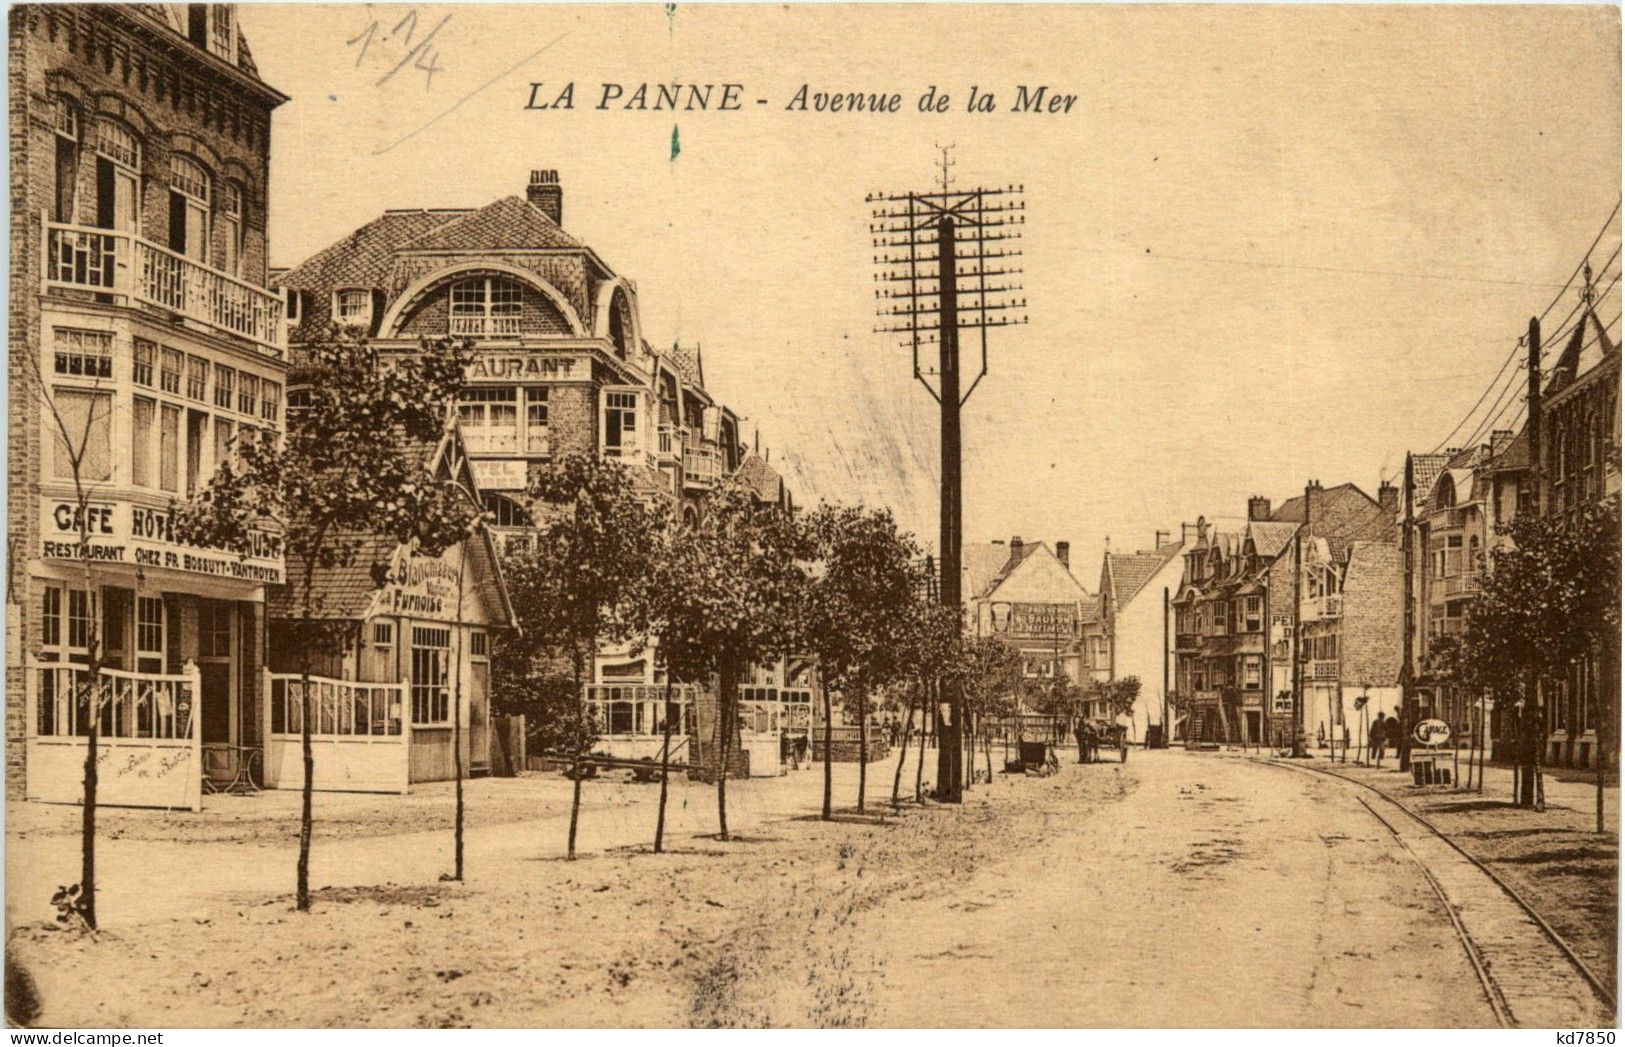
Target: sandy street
x: 1181, y: 890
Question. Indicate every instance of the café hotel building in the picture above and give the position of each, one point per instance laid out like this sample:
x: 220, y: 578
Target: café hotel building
x: 143, y: 340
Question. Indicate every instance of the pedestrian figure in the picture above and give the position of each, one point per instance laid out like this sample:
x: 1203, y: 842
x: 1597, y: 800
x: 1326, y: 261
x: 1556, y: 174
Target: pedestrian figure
x: 1081, y: 733
x: 1376, y: 739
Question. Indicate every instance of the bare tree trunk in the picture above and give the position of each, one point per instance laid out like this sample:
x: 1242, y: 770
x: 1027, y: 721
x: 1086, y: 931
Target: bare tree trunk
x: 457, y: 724
x: 919, y: 762
x: 306, y: 752
x: 863, y: 745
x: 665, y: 767
x: 87, y: 827
x: 829, y: 766
x: 902, y: 756
x: 726, y: 680
x: 575, y: 759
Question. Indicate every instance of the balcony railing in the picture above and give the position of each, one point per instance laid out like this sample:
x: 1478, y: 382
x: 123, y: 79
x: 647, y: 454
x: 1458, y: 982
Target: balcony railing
x: 1322, y: 669
x: 702, y: 465
x: 484, y: 327
x: 1457, y: 585
x: 118, y: 263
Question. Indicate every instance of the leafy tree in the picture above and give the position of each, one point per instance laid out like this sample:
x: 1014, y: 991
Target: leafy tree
x: 858, y: 612
x: 989, y: 671
x: 352, y: 466
x: 932, y: 640
x: 731, y: 593
x: 573, y: 586
x: 1549, y: 598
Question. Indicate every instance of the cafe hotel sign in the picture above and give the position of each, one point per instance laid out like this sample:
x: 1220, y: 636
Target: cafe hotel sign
x: 123, y: 533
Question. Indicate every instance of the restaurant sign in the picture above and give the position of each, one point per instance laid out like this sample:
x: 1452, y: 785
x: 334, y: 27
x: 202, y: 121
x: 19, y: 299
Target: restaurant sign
x: 535, y: 366
x: 124, y: 533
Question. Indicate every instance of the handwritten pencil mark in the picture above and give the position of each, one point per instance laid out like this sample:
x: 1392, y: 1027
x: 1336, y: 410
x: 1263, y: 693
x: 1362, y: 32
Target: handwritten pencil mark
x: 465, y: 99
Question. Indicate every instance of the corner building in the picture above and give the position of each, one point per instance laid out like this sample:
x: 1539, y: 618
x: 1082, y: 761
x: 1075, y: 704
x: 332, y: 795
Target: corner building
x: 140, y: 146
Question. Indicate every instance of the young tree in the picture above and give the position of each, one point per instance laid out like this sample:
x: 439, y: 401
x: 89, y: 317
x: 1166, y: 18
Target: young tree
x: 933, y: 636
x: 732, y: 594
x: 858, y: 611
x: 353, y: 465
x: 1550, y: 597
x: 989, y: 670
x: 573, y: 582
x: 78, y: 418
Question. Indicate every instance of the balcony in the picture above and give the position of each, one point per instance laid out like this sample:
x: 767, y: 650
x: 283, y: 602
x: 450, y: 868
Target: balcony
x: 122, y: 264
x: 1322, y: 670
x: 481, y: 326
x: 702, y: 465
x: 671, y: 442
x: 1453, y: 587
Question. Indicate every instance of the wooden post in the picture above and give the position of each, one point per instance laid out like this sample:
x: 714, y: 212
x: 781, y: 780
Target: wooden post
x: 950, y: 751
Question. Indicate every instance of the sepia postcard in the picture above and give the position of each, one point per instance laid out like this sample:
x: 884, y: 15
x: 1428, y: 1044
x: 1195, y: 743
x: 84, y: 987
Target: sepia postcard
x: 812, y: 516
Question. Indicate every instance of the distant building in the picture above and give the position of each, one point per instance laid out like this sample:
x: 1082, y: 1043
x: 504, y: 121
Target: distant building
x: 1033, y: 601
x: 1132, y: 616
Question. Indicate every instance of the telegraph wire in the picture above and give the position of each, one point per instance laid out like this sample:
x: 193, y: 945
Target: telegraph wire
x: 1556, y: 334
x: 1583, y: 259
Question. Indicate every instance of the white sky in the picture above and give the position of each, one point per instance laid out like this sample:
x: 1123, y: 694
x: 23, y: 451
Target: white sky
x: 1268, y: 245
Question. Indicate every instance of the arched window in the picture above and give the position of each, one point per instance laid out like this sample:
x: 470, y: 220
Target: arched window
x: 189, y: 194
x: 505, y: 512
x: 485, y: 307
x: 118, y: 177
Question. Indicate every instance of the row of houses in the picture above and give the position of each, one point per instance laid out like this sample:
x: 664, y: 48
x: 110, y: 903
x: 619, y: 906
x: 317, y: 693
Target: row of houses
x: 1249, y: 628
x: 147, y: 318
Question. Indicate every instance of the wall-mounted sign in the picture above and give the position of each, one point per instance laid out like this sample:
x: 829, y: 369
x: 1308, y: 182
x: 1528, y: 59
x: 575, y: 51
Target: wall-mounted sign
x: 1282, y: 703
x: 536, y: 366
x: 1037, y: 620
x: 500, y: 474
x: 121, y: 532
x: 418, y: 587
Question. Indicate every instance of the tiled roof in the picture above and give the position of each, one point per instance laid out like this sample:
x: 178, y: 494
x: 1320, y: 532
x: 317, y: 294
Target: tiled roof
x: 981, y: 561
x: 1424, y: 470
x: 763, y: 480
x: 1514, y: 456
x: 364, y: 258
x: 1012, y: 560
x: 511, y: 222
x: 685, y: 359
x: 337, y: 592
x: 1271, y: 536
x: 1131, y: 571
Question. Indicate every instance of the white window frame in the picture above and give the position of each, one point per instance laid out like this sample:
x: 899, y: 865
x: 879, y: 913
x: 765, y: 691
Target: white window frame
x: 474, y: 311
x: 231, y: 224
x: 477, y: 407
x: 537, y: 437
x: 119, y: 146
x: 190, y: 180
x: 620, y: 399
x: 352, y: 307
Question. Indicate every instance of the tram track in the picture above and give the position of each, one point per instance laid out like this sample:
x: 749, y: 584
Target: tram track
x: 1506, y: 950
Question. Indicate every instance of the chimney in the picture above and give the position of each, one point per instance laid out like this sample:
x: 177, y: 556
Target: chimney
x: 1159, y: 541
x: 1312, y: 496
x: 1388, y: 497
x: 1499, y: 440
x: 1063, y: 553
x: 1258, y: 508
x: 546, y: 195
x: 1015, y: 547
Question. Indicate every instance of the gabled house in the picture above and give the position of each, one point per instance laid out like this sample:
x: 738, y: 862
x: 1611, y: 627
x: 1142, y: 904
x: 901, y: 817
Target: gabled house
x: 1135, y: 592
x: 1033, y: 601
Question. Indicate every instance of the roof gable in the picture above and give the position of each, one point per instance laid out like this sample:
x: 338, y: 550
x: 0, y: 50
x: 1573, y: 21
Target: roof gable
x: 510, y: 222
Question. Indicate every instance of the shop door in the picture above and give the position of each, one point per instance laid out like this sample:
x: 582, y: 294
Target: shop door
x: 217, y: 623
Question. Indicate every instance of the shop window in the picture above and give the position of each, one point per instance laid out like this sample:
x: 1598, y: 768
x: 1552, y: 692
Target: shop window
x: 80, y: 619
x: 83, y: 354
x: 431, y: 663
x: 149, y: 634
x: 383, y: 634
x: 505, y: 512
x: 485, y: 307
x: 51, y: 617
x: 188, y: 208
x: 87, y: 422
x: 477, y: 644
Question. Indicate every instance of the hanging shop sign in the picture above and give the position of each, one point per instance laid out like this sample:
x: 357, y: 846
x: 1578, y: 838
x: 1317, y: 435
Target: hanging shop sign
x: 121, y: 532
x: 539, y: 366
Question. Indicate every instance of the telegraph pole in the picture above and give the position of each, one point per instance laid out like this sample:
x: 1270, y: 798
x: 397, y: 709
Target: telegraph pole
x: 925, y: 243
x: 1165, y: 657
x: 1407, y: 673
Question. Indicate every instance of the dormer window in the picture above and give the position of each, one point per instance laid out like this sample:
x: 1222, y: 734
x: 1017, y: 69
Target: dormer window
x: 352, y: 307
x: 485, y: 307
